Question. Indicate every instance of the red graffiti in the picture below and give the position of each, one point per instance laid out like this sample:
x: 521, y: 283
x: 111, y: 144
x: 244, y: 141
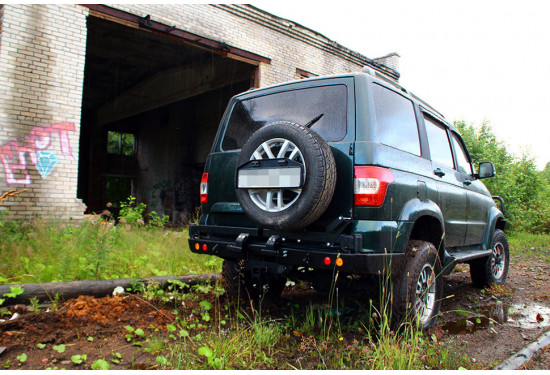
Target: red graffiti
x: 13, y: 154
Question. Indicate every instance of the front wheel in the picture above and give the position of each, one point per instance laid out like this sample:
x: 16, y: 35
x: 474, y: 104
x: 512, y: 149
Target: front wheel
x: 417, y: 291
x: 493, y: 269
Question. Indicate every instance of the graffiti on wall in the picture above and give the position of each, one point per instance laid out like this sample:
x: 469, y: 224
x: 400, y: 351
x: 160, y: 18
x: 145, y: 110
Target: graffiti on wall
x: 14, y: 154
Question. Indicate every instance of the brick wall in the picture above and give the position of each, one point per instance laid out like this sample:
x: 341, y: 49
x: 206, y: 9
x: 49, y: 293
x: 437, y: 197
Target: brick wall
x: 288, y: 45
x: 42, y: 52
x: 42, y: 57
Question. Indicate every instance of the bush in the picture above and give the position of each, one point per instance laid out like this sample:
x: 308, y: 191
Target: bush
x: 132, y: 213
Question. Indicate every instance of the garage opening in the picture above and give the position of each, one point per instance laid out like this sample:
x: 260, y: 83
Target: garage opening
x: 151, y: 106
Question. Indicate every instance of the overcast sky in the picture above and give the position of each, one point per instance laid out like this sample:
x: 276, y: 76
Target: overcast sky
x: 471, y: 60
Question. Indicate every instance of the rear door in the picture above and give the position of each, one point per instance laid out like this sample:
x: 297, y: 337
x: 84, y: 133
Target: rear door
x: 327, y: 104
x: 450, y: 185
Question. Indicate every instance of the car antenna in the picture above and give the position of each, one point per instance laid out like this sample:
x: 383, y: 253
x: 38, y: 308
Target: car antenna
x: 310, y: 124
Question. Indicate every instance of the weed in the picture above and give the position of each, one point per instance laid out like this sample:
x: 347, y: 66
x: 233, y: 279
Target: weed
x: 78, y: 359
x: 35, y: 304
x: 134, y: 334
x: 117, y: 358
x: 59, y: 348
x: 131, y: 213
x: 156, y: 221
x: 162, y: 361
x: 500, y: 290
x: 22, y: 358
x: 100, y: 364
x: 154, y: 344
x: 55, y: 301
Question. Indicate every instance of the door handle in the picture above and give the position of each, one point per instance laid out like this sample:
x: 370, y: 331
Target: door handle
x: 438, y: 172
x: 467, y: 182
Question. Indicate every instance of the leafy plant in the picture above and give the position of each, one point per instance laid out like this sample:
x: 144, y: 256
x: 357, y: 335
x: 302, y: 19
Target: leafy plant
x: 163, y: 361
x: 78, y: 359
x: 22, y: 358
x: 35, y: 304
x: 100, y: 364
x: 131, y: 212
x: 133, y: 334
x: 13, y: 293
x: 59, y: 348
x: 156, y: 221
x: 117, y: 358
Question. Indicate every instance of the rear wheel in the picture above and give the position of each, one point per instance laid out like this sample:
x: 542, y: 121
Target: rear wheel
x: 417, y: 291
x: 493, y: 269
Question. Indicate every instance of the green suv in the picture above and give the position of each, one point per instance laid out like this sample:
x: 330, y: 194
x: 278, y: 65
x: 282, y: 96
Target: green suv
x: 352, y: 173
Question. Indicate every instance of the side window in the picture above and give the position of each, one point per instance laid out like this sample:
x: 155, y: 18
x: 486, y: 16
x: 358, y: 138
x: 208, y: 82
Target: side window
x: 464, y: 165
x: 440, y: 148
x: 395, y: 120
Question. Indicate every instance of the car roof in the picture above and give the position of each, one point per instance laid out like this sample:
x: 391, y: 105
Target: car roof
x: 377, y: 76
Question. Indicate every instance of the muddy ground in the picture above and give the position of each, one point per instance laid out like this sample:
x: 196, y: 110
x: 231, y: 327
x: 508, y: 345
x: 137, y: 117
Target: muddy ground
x: 486, y: 325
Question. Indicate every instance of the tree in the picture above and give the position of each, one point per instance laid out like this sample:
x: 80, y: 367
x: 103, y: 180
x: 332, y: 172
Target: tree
x: 525, y: 190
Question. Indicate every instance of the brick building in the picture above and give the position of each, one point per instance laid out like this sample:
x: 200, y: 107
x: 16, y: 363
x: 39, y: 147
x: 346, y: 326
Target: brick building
x: 99, y: 102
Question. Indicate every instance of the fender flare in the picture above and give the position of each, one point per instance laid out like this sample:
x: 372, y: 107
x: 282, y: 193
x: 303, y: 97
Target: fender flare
x: 493, y: 217
x: 413, y: 210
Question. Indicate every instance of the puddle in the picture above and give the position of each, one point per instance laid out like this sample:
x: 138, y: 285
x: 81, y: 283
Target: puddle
x: 518, y: 315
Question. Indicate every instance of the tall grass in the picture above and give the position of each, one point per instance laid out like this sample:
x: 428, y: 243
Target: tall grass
x: 262, y: 342
x: 55, y: 252
x: 338, y: 333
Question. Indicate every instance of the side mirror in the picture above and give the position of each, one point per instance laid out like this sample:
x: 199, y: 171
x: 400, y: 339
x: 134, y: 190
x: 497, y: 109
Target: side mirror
x: 486, y: 170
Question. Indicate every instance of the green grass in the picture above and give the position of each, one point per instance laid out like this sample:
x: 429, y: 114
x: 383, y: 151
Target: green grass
x: 528, y: 245
x: 216, y: 335
x: 53, y: 252
x: 281, y: 340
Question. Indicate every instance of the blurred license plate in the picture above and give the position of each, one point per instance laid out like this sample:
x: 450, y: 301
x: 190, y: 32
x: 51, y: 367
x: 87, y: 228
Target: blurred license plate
x: 269, y: 178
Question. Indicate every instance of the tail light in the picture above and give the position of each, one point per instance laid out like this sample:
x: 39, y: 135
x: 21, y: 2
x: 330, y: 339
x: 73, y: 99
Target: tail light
x: 370, y: 185
x: 204, y: 188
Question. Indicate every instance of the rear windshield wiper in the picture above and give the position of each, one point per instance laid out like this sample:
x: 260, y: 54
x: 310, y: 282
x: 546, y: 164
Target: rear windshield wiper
x: 310, y: 124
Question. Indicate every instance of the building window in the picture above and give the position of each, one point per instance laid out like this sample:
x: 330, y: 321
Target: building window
x: 121, y: 143
x: 118, y: 189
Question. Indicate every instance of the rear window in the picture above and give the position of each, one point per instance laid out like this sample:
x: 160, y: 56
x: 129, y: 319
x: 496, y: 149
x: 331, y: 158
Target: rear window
x: 299, y: 106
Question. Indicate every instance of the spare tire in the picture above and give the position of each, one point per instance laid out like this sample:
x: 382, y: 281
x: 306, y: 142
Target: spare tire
x: 289, y: 208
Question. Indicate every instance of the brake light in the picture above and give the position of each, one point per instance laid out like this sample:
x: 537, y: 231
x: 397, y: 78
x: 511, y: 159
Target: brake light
x: 370, y: 185
x: 204, y: 188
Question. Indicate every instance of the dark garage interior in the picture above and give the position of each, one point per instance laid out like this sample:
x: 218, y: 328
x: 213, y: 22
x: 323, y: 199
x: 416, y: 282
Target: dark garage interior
x: 151, y: 106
